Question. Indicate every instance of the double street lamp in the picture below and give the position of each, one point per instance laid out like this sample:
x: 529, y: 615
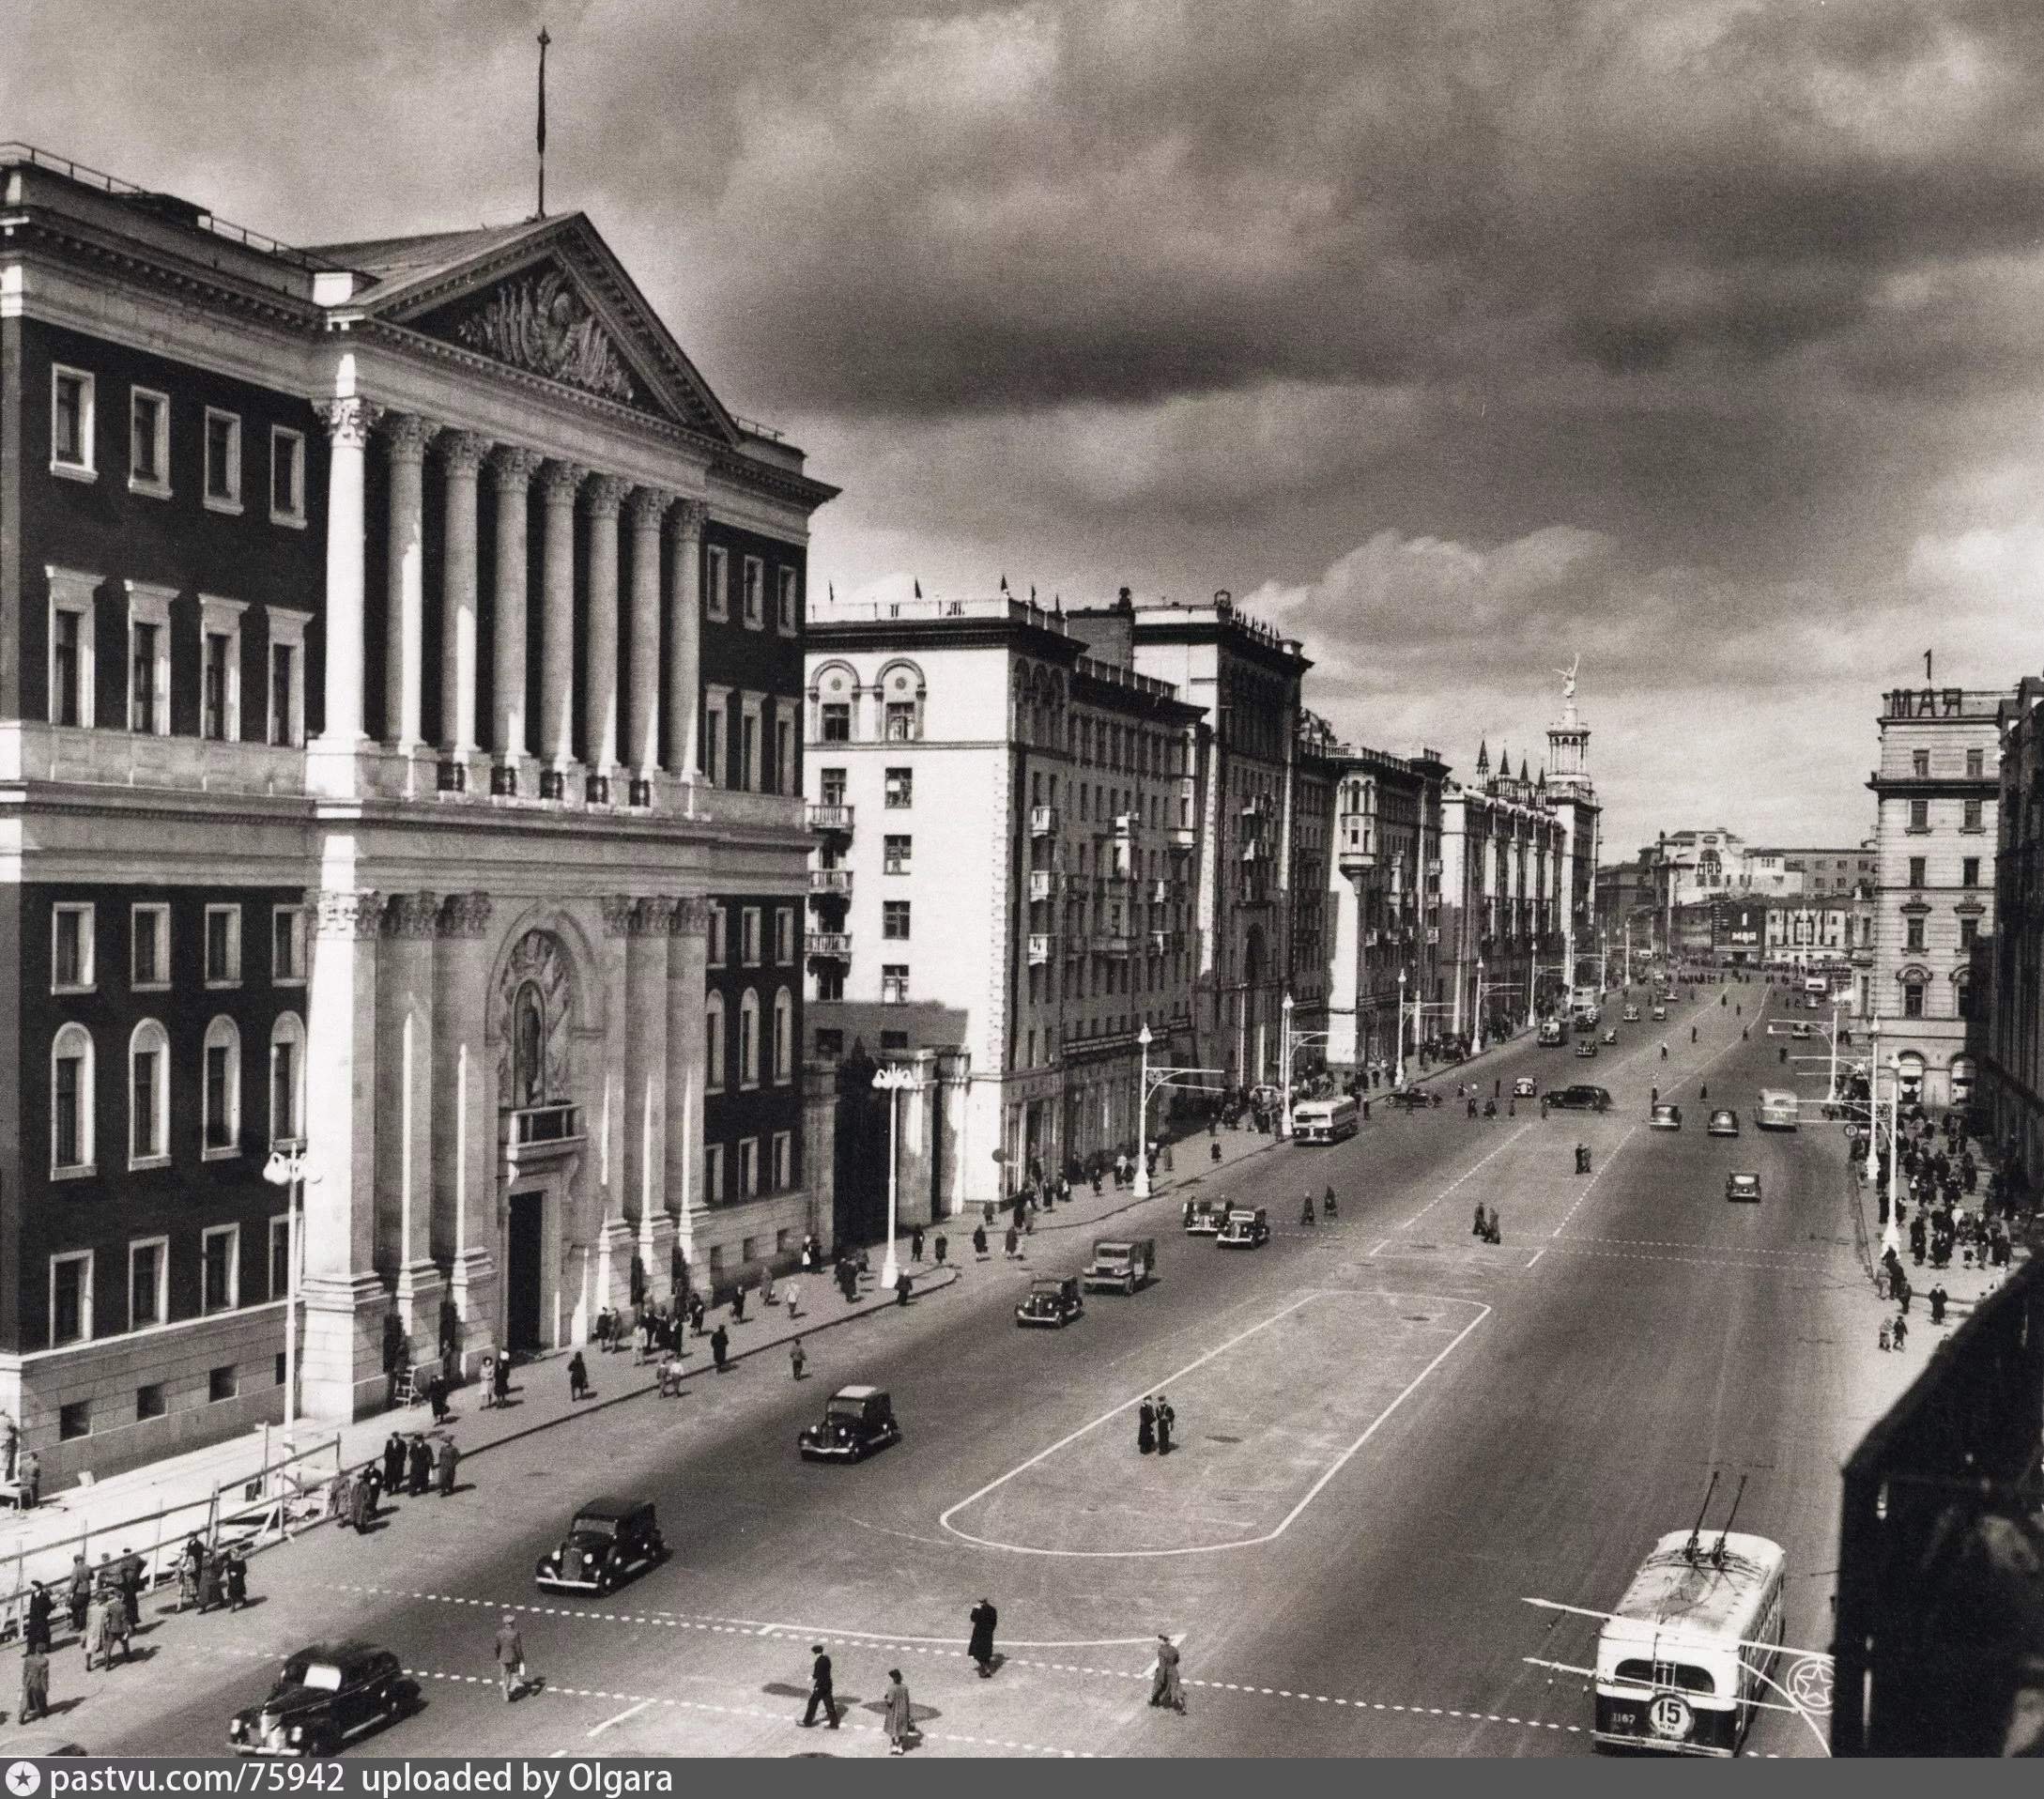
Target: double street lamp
x: 287, y: 1168
x: 894, y: 1080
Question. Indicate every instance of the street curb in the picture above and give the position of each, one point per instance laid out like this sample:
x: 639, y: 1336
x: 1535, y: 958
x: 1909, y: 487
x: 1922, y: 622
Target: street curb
x: 591, y: 1409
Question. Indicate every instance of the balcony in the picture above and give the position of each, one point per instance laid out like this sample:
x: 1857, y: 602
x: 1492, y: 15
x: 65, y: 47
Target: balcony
x: 1163, y: 942
x: 532, y: 1126
x: 1127, y: 824
x: 1043, y: 948
x: 1354, y: 862
x: 827, y: 946
x: 1433, y: 933
x: 1181, y: 839
x: 1371, y: 939
x: 832, y: 820
x: 1043, y: 821
x: 1161, y: 893
x: 1116, y: 944
x: 1044, y: 884
x: 1434, y: 866
x: 836, y: 882
x: 1253, y: 850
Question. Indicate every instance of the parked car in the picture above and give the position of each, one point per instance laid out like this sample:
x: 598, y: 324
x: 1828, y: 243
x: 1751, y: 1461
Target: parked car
x: 1525, y: 1087
x: 1724, y: 1123
x: 1412, y: 1099
x: 1053, y: 1300
x: 1581, y: 1097
x: 1743, y: 1187
x: 1203, y: 1217
x: 325, y: 1696
x: 856, y: 1421
x: 1126, y: 1262
x: 607, y: 1542
x: 1665, y: 1117
x: 1247, y: 1228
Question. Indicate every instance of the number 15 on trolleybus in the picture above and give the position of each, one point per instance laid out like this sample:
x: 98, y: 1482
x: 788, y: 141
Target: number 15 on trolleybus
x: 1325, y: 1120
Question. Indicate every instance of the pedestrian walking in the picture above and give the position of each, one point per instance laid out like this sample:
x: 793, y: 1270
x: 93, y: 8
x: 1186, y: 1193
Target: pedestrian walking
x: 1011, y: 1244
x: 697, y: 1310
x: 444, y: 1466
x: 1939, y: 1299
x: 80, y: 1593
x: 500, y: 1379
x: 1166, y: 1418
x: 361, y: 1504
x: 436, y: 1398
x: 1887, y: 1335
x: 984, y: 1618
x: 419, y: 1462
x: 942, y: 1248
x: 792, y: 1293
x: 510, y: 1658
x: 1901, y: 1331
x: 393, y: 1461
x: 915, y: 1244
x: 235, y: 1579
x: 797, y: 1359
x: 34, y: 1686
x: 720, y: 1348
x: 35, y: 1625
x: 900, y: 1715
x: 1164, y: 1687
x: 980, y: 1241
x: 578, y: 1377
x: 738, y: 1303
x: 903, y: 1286
x: 208, y: 1590
x: 819, y: 1689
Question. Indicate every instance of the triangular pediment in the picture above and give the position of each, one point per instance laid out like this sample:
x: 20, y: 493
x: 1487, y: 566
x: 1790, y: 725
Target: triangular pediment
x: 550, y: 299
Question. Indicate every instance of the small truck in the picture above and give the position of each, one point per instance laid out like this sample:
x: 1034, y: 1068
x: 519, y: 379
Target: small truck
x: 1124, y: 1262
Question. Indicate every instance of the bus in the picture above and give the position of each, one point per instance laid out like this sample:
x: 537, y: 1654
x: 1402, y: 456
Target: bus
x: 1325, y: 1120
x: 1778, y: 1109
x: 1681, y: 1662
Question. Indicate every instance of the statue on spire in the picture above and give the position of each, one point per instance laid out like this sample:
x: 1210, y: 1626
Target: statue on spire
x: 1568, y: 677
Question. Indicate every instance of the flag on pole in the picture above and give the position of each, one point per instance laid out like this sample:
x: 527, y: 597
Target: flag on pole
x: 544, y: 42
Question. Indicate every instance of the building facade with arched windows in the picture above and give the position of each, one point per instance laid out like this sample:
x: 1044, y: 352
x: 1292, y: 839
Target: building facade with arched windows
x: 402, y: 693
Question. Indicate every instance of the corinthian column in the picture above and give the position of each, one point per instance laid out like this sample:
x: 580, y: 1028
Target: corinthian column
x: 348, y: 424
x: 649, y: 506
x: 465, y: 1139
x: 558, y: 486
x: 685, y: 640
x: 406, y: 438
x: 605, y: 493
x: 688, y: 960
x: 647, y: 949
x: 404, y: 1101
x: 461, y: 455
x: 511, y: 469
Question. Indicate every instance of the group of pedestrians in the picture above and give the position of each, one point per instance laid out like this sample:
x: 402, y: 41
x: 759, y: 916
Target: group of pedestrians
x: 410, y: 1464
x: 1153, y: 1422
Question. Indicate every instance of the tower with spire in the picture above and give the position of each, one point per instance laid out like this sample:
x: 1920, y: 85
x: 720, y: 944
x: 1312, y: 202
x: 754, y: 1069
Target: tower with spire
x: 1569, y: 790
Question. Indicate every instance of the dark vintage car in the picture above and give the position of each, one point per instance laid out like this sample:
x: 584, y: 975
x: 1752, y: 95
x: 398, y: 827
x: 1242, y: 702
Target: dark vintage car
x: 1581, y: 1097
x: 1525, y: 1087
x: 1724, y: 1123
x: 1665, y: 1117
x: 856, y: 1421
x: 1743, y: 1187
x: 323, y: 1698
x: 1053, y: 1300
x: 1203, y: 1217
x: 1412, y: 1099
x: 609, y: 1540
x: 1247, y: 1228
x: 1586, y: 1047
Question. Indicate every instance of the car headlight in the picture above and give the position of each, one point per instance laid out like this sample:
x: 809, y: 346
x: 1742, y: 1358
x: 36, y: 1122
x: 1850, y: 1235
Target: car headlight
x: 298, y: 1733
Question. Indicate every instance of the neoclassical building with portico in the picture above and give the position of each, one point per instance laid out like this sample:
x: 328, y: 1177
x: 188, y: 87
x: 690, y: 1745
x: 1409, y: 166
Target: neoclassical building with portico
x: 400, y: 739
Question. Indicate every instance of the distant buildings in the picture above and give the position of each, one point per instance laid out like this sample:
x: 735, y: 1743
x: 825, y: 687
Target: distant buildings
x: 2012, y: 1037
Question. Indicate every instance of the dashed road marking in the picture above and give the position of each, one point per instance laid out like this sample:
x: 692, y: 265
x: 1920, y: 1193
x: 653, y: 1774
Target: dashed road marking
x: 1466, y: 1175
x: 1590, y: 1185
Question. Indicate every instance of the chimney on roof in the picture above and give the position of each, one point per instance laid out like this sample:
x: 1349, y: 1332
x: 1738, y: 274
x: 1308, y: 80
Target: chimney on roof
x: 1124, y: 600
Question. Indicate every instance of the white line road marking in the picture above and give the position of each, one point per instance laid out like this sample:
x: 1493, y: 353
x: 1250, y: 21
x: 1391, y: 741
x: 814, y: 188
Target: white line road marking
x: 1537, y: 1254
x: 1380, y: 1249
x: 631, y: 1712
x: 1466, y: 1174
x: 1285, y: 1523
x: 1594, y: 1179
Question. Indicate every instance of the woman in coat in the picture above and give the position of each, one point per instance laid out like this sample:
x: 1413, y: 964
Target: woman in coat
x: 900, y: 1715
x: 1146, y: 1427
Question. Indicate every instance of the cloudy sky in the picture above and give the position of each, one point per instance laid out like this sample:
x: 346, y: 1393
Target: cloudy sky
x: 1699, y: 337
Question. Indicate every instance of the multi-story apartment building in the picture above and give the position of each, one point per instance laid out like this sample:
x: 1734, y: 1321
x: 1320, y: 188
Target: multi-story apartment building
x: 1502, y: 944
x: 1566, y: 786
x: 1819, y: 932
x: 2010, y: 1039
x: 1811, y: 874
x: 400, y: 664
x: 1008, y: 884
x: 1316, y: 769
x: 1246, y: 678
x: 1936, y: 791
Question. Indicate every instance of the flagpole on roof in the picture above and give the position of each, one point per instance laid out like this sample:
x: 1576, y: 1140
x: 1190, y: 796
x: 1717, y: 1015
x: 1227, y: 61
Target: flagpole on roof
x: 544, y: 42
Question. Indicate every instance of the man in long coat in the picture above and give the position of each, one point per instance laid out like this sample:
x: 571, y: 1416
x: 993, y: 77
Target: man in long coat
x: 393, y: 1461
x: 1164, y: 1688
x: 361, y: 1504
x: 421, y: 1464
x: 984, y: 1618
x: 444, y: 1465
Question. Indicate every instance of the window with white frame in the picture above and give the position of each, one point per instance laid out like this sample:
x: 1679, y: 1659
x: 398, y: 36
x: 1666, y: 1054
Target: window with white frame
x: 717, y: 585
x: 70, y: 1298
x: 220, y: 1090
x: 72, y: 963
x: 220, y: 1268
x: 223, y: 945
x: 288, y: 946
x: 287, y: 696
x: 785, y: 608
x: 787, y: 773
x: 784, y: 1037
x: 712, y: 1044
x: 719, y: 914
x: 220, y: 668
x: 148, y: 948
x: 71, y: 424
x: 715, y: 725
x: 287, y: 1078
x: 148, y: 443
x: 148, y: 658
x: 73, y: 606
x: 755, y: 575
x: 784, y: 936
x: 784, y: 1161
x: 748, y: 771
x: 748, y: 1168
x: 894, y: 983
x: 148, y: 1096
x: 71, y: 1103
x: 748, y: 1039
x: 222, y: 461
x: 286, y: 476
x: 712, y: 1174
x: 148, y: 1282
x: 749, y: 937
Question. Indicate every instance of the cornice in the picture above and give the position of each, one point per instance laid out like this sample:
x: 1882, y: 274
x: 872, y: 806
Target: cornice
x: 83, y: 244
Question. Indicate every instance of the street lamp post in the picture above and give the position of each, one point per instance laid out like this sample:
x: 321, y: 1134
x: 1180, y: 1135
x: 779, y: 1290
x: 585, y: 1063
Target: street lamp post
x: 286, y: 1168
x: 1142, y: 1104
x: 1873, y: 1107
x: 1480, y: 1005
x: 1284, y: 1109
x: 893, y: 1080
x: 1398, y: 1077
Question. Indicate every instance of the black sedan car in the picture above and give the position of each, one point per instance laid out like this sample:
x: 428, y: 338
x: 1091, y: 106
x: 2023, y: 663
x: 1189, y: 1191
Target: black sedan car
x: 323, y: 1698
x: 857, y: 1421
x: 607, y: 1542
x: 1581, y: 1097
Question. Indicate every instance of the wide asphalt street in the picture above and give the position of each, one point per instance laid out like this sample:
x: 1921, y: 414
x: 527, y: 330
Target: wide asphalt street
x: 1392, y: 1437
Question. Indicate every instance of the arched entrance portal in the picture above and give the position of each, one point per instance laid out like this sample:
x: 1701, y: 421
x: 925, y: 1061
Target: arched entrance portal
x: 543, y: 1135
